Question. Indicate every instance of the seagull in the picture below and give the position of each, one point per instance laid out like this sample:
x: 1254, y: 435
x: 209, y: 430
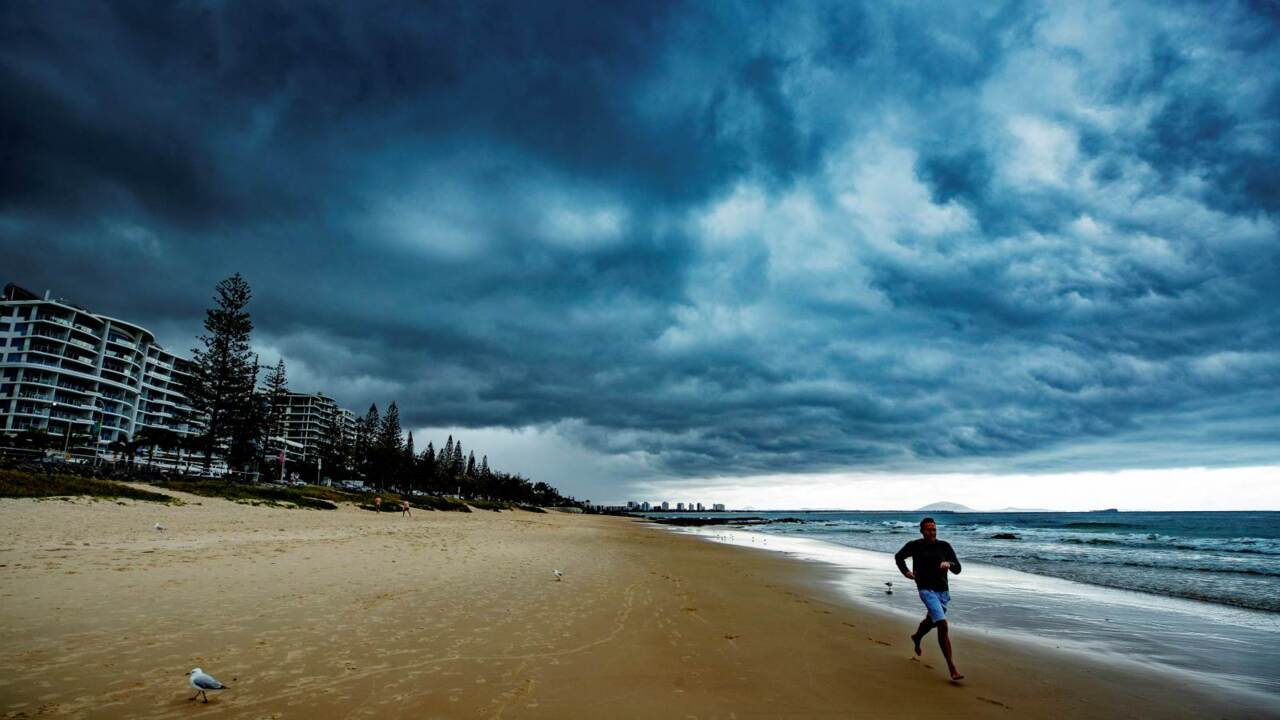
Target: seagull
x: 558, y: 574
x: 159, y: 527
x: 202, y: 681
x: 890, y: 590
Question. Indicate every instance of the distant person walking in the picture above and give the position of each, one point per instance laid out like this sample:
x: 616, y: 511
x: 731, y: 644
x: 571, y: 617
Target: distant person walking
x: 931, y: 558
x: 377, y: 503
x: 404, y: 509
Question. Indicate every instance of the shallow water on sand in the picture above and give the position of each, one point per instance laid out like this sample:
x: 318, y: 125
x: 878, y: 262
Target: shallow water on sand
x: 1238, y: 648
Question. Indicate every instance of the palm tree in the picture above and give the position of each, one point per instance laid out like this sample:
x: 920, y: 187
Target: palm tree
x: 156, y: 437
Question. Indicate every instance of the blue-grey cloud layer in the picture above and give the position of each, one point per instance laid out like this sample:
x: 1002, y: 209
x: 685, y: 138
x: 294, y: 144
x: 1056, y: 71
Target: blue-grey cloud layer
x: 712, y: 238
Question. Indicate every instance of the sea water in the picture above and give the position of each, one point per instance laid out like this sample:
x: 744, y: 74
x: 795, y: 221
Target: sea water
x: 1196, y: 593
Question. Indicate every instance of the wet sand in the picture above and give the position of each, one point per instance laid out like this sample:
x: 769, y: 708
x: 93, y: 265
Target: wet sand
x: 342, y: 614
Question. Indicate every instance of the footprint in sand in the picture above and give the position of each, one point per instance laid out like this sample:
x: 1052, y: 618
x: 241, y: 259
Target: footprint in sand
x: 997, y: 703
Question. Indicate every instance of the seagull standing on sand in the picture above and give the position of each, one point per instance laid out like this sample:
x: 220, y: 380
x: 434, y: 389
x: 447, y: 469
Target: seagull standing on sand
x: 158, y: 526
x: 202, y: 682
x: 558, y: 574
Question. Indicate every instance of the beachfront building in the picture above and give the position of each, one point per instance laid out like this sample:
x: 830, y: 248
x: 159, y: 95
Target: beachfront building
x: 717, y: 507
x: 307, y: 420
x: 74, y: 373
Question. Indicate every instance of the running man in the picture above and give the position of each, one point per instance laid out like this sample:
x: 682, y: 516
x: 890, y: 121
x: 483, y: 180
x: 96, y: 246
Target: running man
x: 931, y: 558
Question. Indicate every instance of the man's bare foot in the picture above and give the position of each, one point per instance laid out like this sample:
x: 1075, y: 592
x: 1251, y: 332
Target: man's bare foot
x: 915, y: 640
x: 955, y: 675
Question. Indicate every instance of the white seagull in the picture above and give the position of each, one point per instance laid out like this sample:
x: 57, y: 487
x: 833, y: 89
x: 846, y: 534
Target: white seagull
x: 558, y: 574
x: 158, y: 526
x: 202, y: 681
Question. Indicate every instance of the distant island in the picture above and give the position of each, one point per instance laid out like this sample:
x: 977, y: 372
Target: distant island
x: 957, y: 507
x: 944, y: 507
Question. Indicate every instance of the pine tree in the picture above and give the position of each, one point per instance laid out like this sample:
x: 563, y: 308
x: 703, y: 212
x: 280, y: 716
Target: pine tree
x: 390, y: 435
x: 249, y: 431
x: 334, y: 452
x: 408, y: 463
x: 471, y: 464
x: 223, y: 372
x: 276, y: 387
x: 389, y: 448
x: 427, y: 468
x: 366, y: 440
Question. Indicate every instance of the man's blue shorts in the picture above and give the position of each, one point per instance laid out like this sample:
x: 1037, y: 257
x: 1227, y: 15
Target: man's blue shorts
x: 936, y: 601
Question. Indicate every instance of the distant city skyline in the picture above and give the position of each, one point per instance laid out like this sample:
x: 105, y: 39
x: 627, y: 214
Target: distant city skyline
x: 793, y: 254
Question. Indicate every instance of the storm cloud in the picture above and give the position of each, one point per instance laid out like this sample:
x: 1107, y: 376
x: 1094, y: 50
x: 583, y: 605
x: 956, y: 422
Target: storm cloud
x: 710, y: 238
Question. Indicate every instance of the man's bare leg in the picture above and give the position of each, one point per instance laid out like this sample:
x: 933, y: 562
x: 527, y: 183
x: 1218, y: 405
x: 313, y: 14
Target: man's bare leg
x: 925, y: 626
x: 944, y: 642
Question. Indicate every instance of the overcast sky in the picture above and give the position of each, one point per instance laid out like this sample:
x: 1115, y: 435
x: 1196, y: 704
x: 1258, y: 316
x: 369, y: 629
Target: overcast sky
x: 638, y: 250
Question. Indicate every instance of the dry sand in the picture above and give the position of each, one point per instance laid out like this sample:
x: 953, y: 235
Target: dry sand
x: 342, y: 614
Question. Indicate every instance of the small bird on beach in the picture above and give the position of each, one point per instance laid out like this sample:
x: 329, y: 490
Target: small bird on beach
x: 558, y: 574
x: 159, y: 527
x: 203, y: 682
x: 890, y: 590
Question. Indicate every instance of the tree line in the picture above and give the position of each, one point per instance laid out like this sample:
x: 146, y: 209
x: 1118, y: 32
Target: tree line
x: 234, y: 416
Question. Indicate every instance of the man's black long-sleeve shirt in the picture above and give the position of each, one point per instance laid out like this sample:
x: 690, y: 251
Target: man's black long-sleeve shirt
x: 926, y: 557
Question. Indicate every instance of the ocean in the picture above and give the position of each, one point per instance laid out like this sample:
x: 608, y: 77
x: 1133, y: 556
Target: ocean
x: 1231, y: 558
x: 1191, y: 592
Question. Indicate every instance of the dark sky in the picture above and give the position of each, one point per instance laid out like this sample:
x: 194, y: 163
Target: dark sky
x: 687, y: 240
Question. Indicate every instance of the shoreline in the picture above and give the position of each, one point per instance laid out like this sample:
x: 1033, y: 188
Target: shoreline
x: 329, y: 614
x: 1117, y: 626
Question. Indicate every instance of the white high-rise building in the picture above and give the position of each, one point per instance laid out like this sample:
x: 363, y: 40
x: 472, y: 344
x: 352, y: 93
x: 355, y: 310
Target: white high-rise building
x: 65, y: 369
x: 307, y: 419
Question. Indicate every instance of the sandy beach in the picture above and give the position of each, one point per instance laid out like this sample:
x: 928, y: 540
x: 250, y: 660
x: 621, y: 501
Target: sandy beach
x: 341, y: 614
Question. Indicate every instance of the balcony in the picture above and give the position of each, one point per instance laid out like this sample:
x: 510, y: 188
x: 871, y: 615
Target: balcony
x: 80, y: 361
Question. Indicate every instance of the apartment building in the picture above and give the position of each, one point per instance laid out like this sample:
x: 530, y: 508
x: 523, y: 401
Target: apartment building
x: 307, y: 419
x: 65, y: 369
